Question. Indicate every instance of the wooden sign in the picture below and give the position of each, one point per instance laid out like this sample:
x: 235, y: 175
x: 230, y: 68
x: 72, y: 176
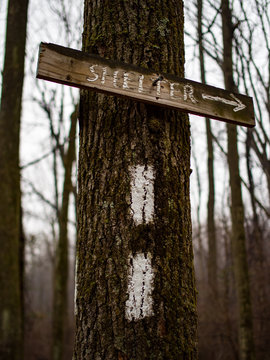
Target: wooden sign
x: 79, y: 69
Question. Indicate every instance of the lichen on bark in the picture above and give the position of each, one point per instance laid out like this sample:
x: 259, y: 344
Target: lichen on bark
x: 116, y: 135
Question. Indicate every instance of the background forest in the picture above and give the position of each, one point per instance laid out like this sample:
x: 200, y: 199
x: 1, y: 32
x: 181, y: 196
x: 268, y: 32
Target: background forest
x: 232, y: 281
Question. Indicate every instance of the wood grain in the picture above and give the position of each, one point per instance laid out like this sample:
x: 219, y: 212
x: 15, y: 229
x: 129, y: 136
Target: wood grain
x: 82, y: 70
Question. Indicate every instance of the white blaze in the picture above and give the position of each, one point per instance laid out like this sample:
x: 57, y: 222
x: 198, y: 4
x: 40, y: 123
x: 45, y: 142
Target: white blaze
x: 140, y: 287
x: 142, y: 193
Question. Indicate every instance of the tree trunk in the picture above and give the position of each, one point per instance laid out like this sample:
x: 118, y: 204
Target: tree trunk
x: 135, y: 279
x: 61, y: 263
x: 246, y: 342
x: 259, y: 272
x: 229, y: 339
x: 11, y: 318
x: 211, y: 226
x: 212, y: 289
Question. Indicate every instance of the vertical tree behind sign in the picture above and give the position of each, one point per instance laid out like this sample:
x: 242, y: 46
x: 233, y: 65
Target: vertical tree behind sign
x: 135, y: 278
x: 245, y: 321
x: 212, y: 290
x: 11, y: 333
x: 61, y: 267
x: 211, y: 226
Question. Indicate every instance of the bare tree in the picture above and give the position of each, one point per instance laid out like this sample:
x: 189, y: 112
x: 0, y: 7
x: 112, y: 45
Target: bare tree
x: 246, y: 341
x: 61, y: 272
x: 11, y: 236
x: 211, y: 228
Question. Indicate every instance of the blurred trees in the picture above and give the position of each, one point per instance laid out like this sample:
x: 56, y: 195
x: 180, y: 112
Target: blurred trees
x: 61, y: 272
x: 11, y: 234
x: 45, y: 140
x: 57, y: 118
x: 212, y: 288
x: 243, y: 71
x: 238, y: 236
x: 211, y: 225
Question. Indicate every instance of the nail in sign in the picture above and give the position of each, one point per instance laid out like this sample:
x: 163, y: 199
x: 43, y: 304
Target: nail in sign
x: 79, y: 69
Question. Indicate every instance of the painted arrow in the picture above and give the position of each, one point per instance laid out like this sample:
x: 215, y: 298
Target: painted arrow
x: 92, y: 72
x: 239, y: 105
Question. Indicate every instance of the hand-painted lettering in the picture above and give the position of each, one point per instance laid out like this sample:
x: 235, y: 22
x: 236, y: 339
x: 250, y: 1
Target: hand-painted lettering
x: 115, y: 74
x: 92, y: 69
x: 103, y: 77
x: 173, y: 90
x: 125, y: 80
x: 140, y: 89
x: 188, y: 93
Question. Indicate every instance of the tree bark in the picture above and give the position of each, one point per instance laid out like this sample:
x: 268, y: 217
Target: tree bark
x: 246, y: 341
x: 135, y: 278
x: 61, y: 260
x: 11, y: 303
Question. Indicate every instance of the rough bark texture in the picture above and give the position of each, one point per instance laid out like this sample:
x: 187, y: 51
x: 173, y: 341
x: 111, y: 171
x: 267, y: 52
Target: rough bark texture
x: 115, y: 136
x: 11, y: 324
x: 246, y: 342
x: 61, y: 261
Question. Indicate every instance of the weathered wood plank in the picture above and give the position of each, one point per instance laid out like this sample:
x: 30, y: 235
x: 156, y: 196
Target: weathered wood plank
x: 79, y: 69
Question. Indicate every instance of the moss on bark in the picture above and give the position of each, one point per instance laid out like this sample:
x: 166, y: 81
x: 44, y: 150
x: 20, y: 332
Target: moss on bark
x: 114, y: 136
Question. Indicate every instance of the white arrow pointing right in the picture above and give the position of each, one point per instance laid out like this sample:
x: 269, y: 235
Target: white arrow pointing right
x: 236, y: 102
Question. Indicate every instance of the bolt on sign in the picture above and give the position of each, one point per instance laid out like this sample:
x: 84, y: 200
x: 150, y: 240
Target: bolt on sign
x: 79, y: 69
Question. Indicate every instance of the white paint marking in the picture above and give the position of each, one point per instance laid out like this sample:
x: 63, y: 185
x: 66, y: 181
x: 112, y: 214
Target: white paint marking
x: 125, y: 80
x: 104, y: 73
x: 172, y: 90
x: 140, y: 287
x: 142, y: 193
x: 239, y: 105
x: 92, y: 69
x: 188, y: 93
x: 115, y: 78
x: 140, y: 90
x: 157, y: 83
x: 158, y: 88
